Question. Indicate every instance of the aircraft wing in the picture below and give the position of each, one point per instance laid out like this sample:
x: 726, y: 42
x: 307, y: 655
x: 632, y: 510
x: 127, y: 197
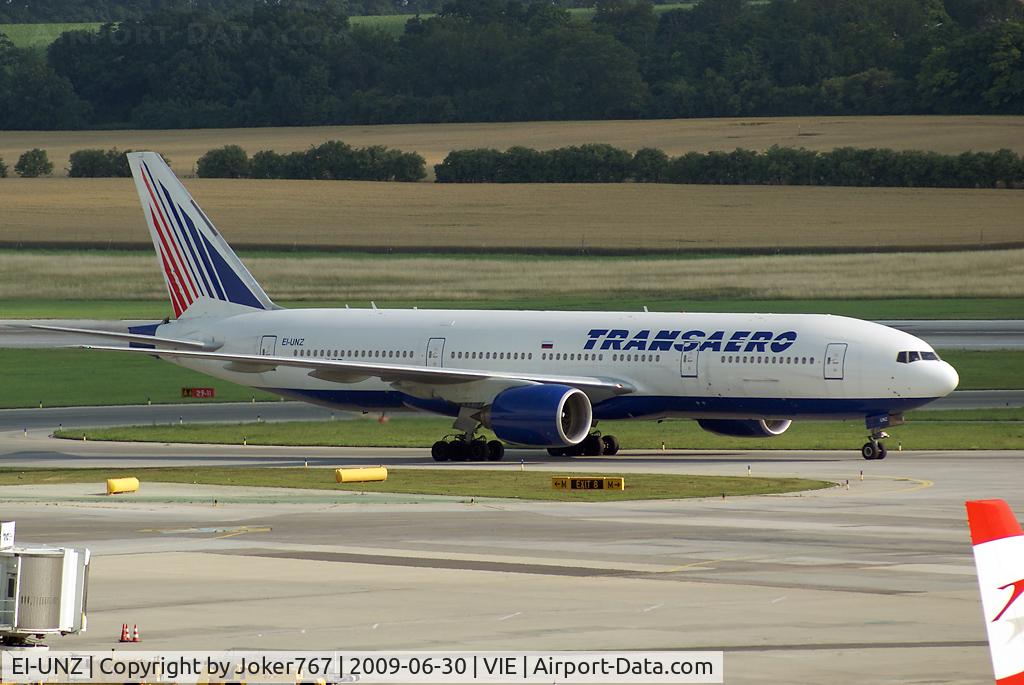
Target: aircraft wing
x: 351, y: 372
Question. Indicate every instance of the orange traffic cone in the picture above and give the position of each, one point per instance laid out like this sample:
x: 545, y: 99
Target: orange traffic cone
x: 135, y: 634
x: 125, y: 637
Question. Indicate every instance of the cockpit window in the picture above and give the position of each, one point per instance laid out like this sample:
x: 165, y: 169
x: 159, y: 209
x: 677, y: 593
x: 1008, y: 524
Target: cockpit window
x: 916, y: 356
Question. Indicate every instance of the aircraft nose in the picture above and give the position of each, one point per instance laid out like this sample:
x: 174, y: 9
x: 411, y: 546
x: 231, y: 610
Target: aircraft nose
x: 948, y: 378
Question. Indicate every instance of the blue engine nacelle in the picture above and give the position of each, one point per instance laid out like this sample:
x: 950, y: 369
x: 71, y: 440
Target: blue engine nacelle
x: 745, y: 428
x: 540, y: 415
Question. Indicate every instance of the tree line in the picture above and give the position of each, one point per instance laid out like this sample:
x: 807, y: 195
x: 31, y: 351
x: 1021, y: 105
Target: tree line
x: 591, y: 163
x: 330, y: 161
x: 302, y: 63
x: 845, y: 166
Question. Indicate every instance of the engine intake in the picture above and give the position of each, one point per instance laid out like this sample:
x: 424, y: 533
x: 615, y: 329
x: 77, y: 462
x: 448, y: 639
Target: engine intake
x: 745, y: 428
x: 540, y: 415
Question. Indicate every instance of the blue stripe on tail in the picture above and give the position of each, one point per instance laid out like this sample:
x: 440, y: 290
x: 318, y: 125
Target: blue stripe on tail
x: 235, y: 290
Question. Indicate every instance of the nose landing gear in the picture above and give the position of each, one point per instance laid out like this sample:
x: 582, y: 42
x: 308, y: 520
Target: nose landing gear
x: 873, y: 448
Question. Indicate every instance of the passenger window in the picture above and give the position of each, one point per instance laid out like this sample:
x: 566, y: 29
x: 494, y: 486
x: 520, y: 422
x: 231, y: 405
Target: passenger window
x: 812, y: 360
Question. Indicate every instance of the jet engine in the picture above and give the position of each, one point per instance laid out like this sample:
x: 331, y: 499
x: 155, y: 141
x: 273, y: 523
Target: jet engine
x: 745, y: 428
x: 540, y: 415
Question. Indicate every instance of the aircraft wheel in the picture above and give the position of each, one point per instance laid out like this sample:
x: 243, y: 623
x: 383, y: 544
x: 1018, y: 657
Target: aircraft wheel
x: 881, y: 451
x: 439, y: 451
x: 478, y: 450
x: 592, y: 446
x: 495, y: 450
x: 611, y: 444
x: 869, y: 451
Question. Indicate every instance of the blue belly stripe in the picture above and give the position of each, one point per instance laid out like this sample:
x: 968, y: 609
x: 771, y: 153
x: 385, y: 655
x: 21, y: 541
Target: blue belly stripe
x: 635, y: 407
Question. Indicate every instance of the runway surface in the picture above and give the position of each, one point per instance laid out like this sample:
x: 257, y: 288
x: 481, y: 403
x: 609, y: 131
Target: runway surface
x: 979, y: 334
x: 870, y: 584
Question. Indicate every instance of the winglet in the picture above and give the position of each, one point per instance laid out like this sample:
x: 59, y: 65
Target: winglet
x: 999, y: 556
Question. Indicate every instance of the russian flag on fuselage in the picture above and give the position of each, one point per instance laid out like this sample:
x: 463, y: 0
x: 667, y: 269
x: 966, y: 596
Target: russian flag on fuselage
x: 195, y: 259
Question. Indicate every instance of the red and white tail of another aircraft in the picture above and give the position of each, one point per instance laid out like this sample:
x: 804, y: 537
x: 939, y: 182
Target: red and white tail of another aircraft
x: 999, y: 555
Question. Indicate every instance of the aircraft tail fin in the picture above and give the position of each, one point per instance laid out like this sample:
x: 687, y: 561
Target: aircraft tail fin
x: 197, y: 263
x: 999, y: 556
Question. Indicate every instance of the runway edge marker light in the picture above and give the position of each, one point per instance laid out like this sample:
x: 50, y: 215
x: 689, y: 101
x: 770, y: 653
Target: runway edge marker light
x: 999, y: 557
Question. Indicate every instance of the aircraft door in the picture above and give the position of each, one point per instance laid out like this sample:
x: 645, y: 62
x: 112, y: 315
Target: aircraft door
x: 688, y: 364
x: 835, y: 357
x: 435, y: 352
x: 268, y: 346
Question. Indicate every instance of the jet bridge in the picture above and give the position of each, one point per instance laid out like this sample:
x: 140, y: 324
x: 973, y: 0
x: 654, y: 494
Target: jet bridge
x: 43, y: 591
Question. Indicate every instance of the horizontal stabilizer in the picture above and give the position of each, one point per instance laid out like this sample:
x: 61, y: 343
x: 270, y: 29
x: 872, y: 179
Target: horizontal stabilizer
x: 130, y: 337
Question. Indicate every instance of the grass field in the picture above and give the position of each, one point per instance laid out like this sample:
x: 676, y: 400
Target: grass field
x: 81, y: 377
x: 569, y: 218
x: 947, y: 134
x: 534, y: 485
x: 894, y: 308
x: 41, y: 35
x: 993, y: 429
x: 91, y: 378
x: 551, y: 283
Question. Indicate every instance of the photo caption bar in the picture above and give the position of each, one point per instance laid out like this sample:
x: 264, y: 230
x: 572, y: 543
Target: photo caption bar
x: 362, y: 667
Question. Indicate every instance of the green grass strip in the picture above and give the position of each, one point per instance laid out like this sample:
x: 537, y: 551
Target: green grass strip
x: 70, y: 378
x: 996, y: 432
x: 532, y: 485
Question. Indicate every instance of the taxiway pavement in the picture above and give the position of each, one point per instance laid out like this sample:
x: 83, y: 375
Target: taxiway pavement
x: 870, y: 583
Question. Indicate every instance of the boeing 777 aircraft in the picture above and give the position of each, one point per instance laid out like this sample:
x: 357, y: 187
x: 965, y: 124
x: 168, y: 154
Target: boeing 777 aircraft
x: 536, y: 379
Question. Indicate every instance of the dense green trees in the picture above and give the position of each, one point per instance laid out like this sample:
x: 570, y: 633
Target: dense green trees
x: 301, y: 63
x: 333, y: 160
x: 34, y: 163
x: 93, y: 163
x: 844, y: 166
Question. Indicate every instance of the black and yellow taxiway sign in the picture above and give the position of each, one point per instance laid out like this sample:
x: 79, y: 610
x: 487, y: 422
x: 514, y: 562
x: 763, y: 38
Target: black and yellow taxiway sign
x: 588, y: 483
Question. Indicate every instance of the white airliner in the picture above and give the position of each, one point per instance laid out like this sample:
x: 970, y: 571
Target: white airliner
x: 536, y: 379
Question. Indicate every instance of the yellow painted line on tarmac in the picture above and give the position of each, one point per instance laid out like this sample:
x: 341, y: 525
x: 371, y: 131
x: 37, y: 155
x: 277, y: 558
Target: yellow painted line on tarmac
x: 916, y: 485
x: 697, y: 564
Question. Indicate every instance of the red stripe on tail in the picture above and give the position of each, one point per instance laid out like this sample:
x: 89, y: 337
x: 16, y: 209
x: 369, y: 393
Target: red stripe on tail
x: 991, y: 519
x: 176, y: 259
x: 1012, y: 680
x: 172, y: 287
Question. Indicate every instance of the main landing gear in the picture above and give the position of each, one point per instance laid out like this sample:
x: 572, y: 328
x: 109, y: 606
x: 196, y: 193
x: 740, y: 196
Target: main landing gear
x: 873, y: 448
x: 466, y: 445
x: 463, y: 447
x: 594, y: 445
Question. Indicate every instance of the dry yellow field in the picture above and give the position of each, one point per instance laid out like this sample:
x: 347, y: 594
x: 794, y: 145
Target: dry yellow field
x: 948, y: 134
x: 439, y: 217
x: 998, y: 273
